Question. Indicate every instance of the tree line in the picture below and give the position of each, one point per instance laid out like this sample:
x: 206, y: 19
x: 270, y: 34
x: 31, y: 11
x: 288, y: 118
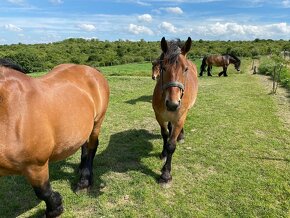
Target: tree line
x: 43, y: 57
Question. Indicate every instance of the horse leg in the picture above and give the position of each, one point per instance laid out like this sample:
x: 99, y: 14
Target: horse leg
x: 165, y: 134
x: 84, y: 155
x: 208, y: 70
x: 87, y: 157
x: 39, y: 179
x: 201, y: 70
x: 170, y: 148
x: 181, y: 137
x: 225, y: 71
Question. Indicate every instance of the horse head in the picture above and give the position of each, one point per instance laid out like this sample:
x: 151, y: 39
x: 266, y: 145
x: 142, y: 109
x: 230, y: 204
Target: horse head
x: 173, y: 71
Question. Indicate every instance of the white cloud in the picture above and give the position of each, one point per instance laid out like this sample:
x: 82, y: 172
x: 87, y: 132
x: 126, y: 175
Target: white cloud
x: 241, y: 31
x: 135, y: 29
x: 168, y: 27
x: 87, y: 27
x: 173, y: 10
x: 12, y: 28
x: 145, y: 18
x: 286, y: 3
x: 56, y: 2
x: 143, y: 3
x: 17, y: 2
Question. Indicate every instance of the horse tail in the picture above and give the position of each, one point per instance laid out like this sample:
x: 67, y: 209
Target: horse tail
x: 203, y: 65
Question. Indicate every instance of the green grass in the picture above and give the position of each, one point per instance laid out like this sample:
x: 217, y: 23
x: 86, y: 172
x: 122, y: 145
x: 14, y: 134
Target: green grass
x: 235, y: 161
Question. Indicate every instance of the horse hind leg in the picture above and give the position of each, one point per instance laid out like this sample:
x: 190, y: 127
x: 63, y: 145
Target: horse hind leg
x: 87, y: 158
x: 39, y: 179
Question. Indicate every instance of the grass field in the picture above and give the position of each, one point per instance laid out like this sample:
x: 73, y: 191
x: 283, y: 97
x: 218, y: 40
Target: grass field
x: 235, y: 161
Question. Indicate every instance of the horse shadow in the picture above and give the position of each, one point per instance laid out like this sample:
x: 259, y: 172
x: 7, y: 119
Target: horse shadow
x: 124, y: 153
x: 143, y: 98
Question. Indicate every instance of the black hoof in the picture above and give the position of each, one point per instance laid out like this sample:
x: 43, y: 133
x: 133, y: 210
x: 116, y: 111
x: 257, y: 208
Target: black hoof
x: 83, y: 184
x: 56, y: 208
x: 225, y: 75
x: 209, y: 75
x: 55, y: 213
x: 165, y: 179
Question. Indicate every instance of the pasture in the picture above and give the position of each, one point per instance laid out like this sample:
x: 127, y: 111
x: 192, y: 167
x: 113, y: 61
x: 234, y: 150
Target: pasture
x: 235, y: 160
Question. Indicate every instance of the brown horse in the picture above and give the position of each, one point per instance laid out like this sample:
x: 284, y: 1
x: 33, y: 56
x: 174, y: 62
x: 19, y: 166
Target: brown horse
x: 174, y: 94
x: 219, y: 61
x: 48, y: 119
x: 156, y: 68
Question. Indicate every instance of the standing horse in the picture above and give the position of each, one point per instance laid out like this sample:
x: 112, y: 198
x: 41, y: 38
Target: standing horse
x: 174, y: 94
x: 219, y: 61
x: 156, y: 68
x: 48, y: 119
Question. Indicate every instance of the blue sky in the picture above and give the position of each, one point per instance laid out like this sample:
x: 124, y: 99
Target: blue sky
x: 44, y: 21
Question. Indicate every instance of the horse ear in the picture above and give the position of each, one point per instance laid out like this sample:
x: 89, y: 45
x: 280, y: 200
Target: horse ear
x: 186, y: 46
x: 164, y: 46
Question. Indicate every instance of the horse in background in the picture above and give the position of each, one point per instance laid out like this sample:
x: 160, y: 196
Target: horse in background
x: 156, y: 67
x: 174, y: 94
x: 219, y: 61
x: 48, y: 119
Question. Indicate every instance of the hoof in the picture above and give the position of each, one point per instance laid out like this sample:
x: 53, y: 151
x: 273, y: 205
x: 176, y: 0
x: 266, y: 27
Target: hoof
x: 165, y: 177
x: 209, y: 75
x: 165, y: 183
x: 55, y: 213
x: 225, y: 75
x: 83, y: 184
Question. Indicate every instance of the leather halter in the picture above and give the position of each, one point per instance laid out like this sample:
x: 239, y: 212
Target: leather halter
x: 177, y: 84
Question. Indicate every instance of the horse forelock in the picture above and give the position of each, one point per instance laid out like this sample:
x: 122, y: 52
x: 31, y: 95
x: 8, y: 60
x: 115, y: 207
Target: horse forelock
x: 173, y: 52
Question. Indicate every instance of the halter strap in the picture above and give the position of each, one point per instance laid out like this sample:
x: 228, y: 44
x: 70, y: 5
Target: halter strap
x: 173, y: 84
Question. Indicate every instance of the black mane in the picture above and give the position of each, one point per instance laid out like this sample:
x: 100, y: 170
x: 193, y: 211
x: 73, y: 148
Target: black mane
x: 235, y: 57
x: 10, y: 64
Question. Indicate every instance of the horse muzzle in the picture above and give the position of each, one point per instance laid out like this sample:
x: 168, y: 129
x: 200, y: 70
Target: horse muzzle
x: 172, y: 105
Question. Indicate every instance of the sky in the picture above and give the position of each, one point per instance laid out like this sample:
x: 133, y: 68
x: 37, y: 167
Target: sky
x: 45, y: 21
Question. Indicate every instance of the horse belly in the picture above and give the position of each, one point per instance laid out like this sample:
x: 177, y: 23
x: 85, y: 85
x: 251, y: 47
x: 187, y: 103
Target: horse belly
x: 72, y: 128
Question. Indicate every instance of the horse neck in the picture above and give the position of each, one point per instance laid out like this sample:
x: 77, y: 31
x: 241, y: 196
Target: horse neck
x: 232, y: 60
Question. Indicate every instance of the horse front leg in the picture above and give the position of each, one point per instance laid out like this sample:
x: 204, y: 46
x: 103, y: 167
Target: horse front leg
x: 209, y: 70
x: 170, y: 149
x: 224, y: 72
x: 39, y: 179
x: 165, y: 134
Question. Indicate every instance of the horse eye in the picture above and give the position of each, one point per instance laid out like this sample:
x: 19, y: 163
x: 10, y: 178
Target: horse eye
x: 186, y: 69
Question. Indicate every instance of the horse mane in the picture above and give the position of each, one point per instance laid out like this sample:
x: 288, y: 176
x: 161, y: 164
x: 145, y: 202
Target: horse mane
x: 10, y: 64
x: 235, y: 57
x: 174, y: 50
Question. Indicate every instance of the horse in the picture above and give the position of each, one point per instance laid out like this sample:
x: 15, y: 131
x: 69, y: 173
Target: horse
x: 174, y: 94
x: 156, y: 68
x: 48, y: 119
x: 219, y: 61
